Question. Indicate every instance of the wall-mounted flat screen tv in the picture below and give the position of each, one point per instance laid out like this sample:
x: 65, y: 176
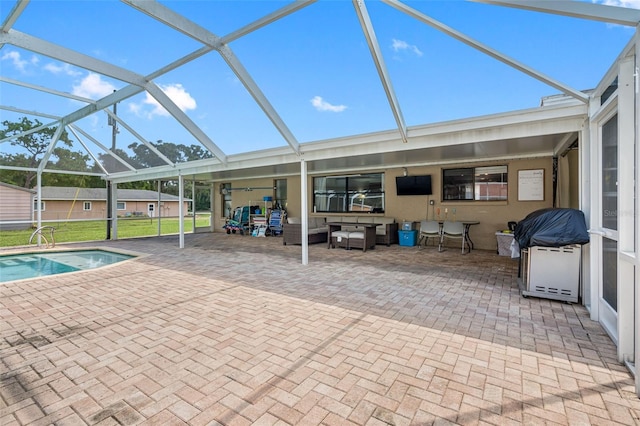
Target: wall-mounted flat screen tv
x: 413, y: 185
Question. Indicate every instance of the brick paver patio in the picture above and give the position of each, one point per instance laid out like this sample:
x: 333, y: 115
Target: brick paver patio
x: 234, y: 330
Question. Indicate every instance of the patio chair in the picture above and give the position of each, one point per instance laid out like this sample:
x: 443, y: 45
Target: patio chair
x: 452, y: 230
x: 428, y: 229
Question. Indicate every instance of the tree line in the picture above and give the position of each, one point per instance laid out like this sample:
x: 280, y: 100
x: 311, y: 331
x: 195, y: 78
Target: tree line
x: 33, y: 147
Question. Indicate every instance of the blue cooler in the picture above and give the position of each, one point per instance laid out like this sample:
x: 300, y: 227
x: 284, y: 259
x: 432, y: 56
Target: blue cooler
x: 408, y: 238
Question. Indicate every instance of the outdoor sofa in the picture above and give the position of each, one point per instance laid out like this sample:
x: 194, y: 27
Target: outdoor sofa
x: 292, y: 230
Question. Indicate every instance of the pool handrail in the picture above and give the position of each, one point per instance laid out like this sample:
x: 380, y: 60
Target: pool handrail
x: 39, y: 232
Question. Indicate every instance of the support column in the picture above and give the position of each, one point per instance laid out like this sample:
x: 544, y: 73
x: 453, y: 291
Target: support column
x: 158, y: 213
x: 181, y: 208
x: 304, y: 212
x: 39, y: 211
x: 212, y: 207
x: 114, y: 209
x: 626, y: 216
x: 637, y: 209
x: 108, y: 205
x: 193, y: 205
x: 591, y: 203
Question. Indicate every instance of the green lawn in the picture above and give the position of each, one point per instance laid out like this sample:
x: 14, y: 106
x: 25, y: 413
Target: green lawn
x: 66, y: 232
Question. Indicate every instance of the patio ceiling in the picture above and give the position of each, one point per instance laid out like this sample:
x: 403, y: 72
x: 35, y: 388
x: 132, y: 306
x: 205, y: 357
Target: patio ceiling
x: 534, y: 133
x: 544, y: 131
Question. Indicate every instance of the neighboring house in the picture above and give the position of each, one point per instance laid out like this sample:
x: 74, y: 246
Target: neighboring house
x: 62, y: 203
x: 15, y: 207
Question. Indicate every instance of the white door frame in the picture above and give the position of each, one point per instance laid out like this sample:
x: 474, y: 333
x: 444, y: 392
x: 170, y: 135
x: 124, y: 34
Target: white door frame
x: 621, y: 325
x: 627, y: 215
x: 600, y: 310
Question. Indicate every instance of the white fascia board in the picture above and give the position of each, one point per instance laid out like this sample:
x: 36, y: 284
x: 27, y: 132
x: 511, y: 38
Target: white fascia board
x: 497, y: 133
x: 263, y: 157
x: 437, y: 162
x: 564, y: 119
x: 612, y: 72
x: 367, y: 139
x: 240, y: 162
x: 545, y: 115
x: 519, y: 124
x: 151, y: 173
x: 597, y: 12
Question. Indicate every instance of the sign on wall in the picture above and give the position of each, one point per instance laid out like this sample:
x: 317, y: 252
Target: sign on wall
x: 531, y: 185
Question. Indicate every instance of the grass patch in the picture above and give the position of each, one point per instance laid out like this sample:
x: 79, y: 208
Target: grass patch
x: 68, y: 232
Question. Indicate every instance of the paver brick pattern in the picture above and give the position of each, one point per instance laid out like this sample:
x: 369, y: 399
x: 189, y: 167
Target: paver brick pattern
x: 234, y: 330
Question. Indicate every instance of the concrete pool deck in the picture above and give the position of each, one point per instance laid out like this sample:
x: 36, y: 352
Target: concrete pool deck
x: 234, y: 330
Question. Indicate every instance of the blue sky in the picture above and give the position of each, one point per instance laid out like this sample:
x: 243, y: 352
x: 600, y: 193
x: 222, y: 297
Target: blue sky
x: 314, y: 66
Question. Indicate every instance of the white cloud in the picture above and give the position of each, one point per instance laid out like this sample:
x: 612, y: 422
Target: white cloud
x: 400, y: 45
x: 635, y: 4
x: 175, y: 92
x: 62, y: 69
x: 18, y: 62
x: 93, y: 87
x: 135, y: 108
x: 322, y: 105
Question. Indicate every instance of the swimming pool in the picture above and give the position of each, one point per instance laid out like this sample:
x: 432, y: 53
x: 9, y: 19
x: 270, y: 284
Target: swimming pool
x: 31, y: 265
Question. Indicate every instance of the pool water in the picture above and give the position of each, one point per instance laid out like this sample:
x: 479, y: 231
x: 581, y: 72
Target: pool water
x: 32, y: 265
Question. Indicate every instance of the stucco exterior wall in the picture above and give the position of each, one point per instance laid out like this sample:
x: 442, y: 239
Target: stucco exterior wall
x: 492, y: 215
x: 241, y: 197
x: 574, y: 178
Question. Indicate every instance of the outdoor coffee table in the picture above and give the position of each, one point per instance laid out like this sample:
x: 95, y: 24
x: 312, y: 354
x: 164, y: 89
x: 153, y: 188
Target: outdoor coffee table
x: 369, y: 230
